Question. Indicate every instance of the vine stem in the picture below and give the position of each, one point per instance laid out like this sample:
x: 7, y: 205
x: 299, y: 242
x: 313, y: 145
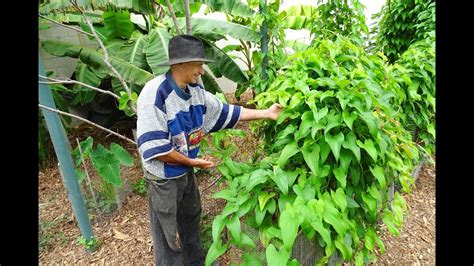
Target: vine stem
x: 412, y: 142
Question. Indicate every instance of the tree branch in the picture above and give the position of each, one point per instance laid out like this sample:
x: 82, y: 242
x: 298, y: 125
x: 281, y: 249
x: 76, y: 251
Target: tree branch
x: 71, y: 81
x: 106, y: 56
x: 89, y: 122
x: 173, y: 16
x: 189, y: 28
x: 67, y: 26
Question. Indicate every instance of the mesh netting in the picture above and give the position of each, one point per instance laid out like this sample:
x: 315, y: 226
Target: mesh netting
x: 307, y: 252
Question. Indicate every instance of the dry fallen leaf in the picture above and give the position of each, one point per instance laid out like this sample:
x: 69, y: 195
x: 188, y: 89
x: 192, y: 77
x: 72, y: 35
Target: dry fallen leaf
x: 121, y: 236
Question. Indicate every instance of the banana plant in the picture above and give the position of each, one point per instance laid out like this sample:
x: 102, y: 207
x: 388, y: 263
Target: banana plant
x: 137, y: 53
x: 65, y: 6
x: 299, y: 17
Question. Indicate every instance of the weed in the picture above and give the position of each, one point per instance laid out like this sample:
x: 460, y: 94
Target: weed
x: 206, y: 231
x: 47, y: 236
x: 90, y: 244
x: 139, y: 187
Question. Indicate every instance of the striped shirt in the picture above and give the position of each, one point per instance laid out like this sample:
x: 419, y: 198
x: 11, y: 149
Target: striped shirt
x: 170, y: 118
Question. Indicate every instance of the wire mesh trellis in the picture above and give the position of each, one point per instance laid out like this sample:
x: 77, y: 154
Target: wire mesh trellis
x: 307, y: 252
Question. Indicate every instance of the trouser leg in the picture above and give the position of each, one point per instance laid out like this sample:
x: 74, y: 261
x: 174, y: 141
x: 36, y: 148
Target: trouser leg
x: 163, y: 204
x: 189, y: 218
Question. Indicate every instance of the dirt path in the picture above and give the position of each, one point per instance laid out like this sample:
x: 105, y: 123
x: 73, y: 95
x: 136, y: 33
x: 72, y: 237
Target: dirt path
x: 416, y: 244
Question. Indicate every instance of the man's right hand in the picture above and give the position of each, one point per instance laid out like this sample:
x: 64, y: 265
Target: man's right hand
x: 200, y: 163
x: 175, y: 157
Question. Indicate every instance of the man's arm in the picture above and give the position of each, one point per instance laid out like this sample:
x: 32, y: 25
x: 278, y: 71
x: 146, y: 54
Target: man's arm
x: 270, y: 113
x: 175, y: 157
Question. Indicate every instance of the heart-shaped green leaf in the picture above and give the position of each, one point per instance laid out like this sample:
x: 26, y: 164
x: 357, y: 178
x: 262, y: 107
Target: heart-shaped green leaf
x: 340, y: 175
x: 280, y: 179
x: 305, y: 126
x: 287, y: 152
x: 349, y: 118
x: 378, y: 172
x: 263, y: 197
x: 322, y: 230
x: 215, y: 251
x: 234, y: 227
x: 259, y: 215
x: 259, y: 176
x: 335, y: 143
x: 333, y: 217
x: 311, y: 157
x: 368, y: 146
x: 276, y: 258
x: 289, y: 228
x: 340, y: 198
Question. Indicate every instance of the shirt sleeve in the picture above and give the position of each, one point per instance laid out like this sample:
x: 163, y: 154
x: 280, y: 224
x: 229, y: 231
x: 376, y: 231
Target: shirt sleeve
x: 152, y: 132
x: 219, y: 115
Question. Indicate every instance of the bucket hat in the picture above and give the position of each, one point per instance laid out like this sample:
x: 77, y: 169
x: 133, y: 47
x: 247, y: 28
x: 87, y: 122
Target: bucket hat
x: 185, y: 48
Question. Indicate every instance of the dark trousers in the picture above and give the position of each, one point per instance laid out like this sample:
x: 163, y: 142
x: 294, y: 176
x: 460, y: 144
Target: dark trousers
x: 175, y: 207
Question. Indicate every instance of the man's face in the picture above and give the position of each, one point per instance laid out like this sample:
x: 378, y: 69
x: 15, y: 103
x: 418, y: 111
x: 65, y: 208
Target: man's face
x: 192, y: 71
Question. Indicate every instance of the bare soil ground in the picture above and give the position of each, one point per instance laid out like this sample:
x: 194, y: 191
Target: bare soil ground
x: 125, y: 236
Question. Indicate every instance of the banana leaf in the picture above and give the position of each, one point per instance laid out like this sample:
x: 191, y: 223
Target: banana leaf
x: 85, y: 74
x: 203, y: 26
x: 298, y: 17
x: 133, y: 51
x: 94, y: 59
x: 210, y: 83
x: 227, y: 67
x: 156, y: 50
x: 117, y: 24
x: 64, y: 6
x: 178, y: 7
x: 75, y: 18
x: 231, y: 7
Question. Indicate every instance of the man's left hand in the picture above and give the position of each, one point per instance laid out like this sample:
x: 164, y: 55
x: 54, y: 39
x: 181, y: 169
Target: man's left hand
x: 274, y: 111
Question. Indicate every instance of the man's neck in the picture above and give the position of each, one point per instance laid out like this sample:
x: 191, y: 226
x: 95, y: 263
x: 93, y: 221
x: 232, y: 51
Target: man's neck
x: 181, y: 84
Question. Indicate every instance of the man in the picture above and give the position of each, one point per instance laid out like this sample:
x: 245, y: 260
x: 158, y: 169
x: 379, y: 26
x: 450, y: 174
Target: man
x: 174, y: 111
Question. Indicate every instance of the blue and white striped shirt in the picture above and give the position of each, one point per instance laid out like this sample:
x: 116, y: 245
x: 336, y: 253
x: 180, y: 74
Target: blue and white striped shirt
x: 169, y: 118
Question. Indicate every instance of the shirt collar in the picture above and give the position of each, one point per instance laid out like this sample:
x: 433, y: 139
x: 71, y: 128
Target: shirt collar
x: 181, y: 93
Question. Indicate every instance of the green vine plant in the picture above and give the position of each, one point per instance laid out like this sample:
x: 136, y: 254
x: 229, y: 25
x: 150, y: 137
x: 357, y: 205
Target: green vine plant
x: 276, y: 53
x: 330, y: 159
x: 402, y: 23
x: 340, y: 17
x: 107, y: 163
x: 416, y: 74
